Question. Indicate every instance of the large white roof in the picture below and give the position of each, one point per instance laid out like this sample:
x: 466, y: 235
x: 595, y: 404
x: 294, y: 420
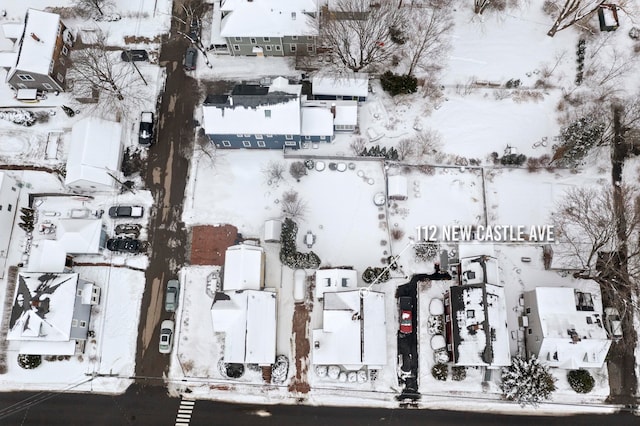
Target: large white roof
x: 43, y: 307
x: 351, y: 337
x: 243, y: 267
x: 284, y: 119
x: 47, y: 255
x: 268, y: 18
x: 316, y: 121
x: 248, y: 320
x: 94, y: 153
x: 38, y: 41
x: 79, y: 236
x: 346, y: 111
x: 355, y: 84
x: 335, y: 280
x: 397, y: 186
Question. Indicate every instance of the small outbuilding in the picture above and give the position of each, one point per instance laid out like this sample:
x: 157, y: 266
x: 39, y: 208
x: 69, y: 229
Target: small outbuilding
x: 397, y: 188
x: 243, y: 268
x: 272, y: 231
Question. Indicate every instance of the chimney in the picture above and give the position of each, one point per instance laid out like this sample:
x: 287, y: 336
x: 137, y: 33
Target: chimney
x: 36, y: 38
x: 333, y: 110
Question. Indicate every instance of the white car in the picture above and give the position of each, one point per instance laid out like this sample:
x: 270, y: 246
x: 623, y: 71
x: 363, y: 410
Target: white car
x: 612, y: 323
x: 166, y: 336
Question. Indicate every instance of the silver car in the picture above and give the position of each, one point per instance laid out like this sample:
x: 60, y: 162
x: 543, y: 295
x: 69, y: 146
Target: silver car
x: 166, y: 336
x: 171, y: 297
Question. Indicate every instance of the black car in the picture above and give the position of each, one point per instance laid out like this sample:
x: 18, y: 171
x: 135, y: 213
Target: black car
x: 190, y: 57
x: 126, y: 211
x: 128, y: 245
x: 134, y: 55
x: 145, y: 133
x: 128, y: 229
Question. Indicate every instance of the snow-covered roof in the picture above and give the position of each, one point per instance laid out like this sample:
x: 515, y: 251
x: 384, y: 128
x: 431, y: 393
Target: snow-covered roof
x: 80, y: 236
x: 479, y: 269
x: 12, y: 30
x: 7, y: 59
x: 278, y: 118
x: 94, y: 153
x: 316, y: 121
x: 346, y: 111
x: 243, y: 267
x: 31, y: 347
x: 248, y: 320
x: 557, y: 315
x: 479, y: 325
x: 351, y: 337
x: 268, y: 18
x: 281, y: 84
x: 335, y: 280
x: 38, y: 41
x: 356, y: 84
x: 43, y: 307
x: 397, y: 187
x: 47, y: 255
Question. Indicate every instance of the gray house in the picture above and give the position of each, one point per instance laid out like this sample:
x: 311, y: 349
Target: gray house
x: 43, y: 53
x: 267, y: 28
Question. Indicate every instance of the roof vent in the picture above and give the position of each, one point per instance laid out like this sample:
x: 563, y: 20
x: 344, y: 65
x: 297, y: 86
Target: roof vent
x: 36, y: 38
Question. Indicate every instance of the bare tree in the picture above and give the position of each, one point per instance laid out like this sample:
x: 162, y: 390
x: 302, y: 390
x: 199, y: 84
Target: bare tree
x: 94, y: 7
x: 427, y: 143
x: 573, y: 11
x: 357, y: 31
x: 274, y: 172
x: 593, y: 239
x: 427, y: 30
x: 406, y: 148
x: 357, y: 145
x: 480, y: 6
x: 95, y: 67
x: 293, y: 207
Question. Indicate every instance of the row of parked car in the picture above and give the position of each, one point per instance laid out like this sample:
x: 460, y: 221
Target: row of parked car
x: 127, y: 240
x: 167, y: 327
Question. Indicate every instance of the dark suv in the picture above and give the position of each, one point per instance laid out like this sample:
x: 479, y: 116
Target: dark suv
x: 128, y: 245
x: 190, y: 57
x: 134, y: 55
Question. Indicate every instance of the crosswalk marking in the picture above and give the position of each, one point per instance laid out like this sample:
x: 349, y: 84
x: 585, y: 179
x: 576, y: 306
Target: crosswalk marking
x: 185, y: 410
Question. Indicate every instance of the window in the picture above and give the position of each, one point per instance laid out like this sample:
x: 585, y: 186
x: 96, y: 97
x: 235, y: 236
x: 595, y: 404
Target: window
x: 323, y: 138
x: 65, y: 51
x: 8, y: 207
x: 268, y: 48
x: 239, y: 136
x: 246, y: 144
x: 47, y: 86
x: 471, y: 313
x: 79, y: 292
x: 293, y: 16
x: 290, y: 143
x: 237, y: 38
x: 528, y: 310
x: 74, y: 323
x: 266, y: 39
x: 447, y: 318
x: 261, y: 144
x: 269, y: 136
x: 258, y: 136
x: 253, y: 40
x: 267, y: 114
x: 25, y: 77
x: 309, y: 47
x: 0, y: 207
x: 294, y: 37
x: 278, y: 48
x: 288, y: 137
x: 293, y: 47
x: 307, y: 137
x: 60, y: 77
x: 530, y: 331
x: 236, y: 47
x: 226, y: 143
x: 61, y: 60
x: 309, y: 37
x: 51, y: 67
x: 83, y: 324
x: 247, y: 136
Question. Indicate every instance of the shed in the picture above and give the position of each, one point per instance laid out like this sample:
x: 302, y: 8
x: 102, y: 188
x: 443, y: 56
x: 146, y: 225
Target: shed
x: 243, y: 268
x: 353, y: 86
x: 272, y: 230
x: 397, y: 188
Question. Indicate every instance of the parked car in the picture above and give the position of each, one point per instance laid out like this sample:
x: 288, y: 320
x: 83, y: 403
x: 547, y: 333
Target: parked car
x: 145, y: 133
x: 128, y: 245
x: 190, y: 57
x: 134, y: 55
x: 406, y: 315
x: 171, y: 298
x: 128, y: 229
x: 613, y: 324
x: 126, y: 211
x: 166, y: 336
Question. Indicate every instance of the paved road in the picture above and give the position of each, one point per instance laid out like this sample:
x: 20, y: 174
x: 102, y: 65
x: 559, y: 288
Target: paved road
x: 166, y: 178
x: 151, y: 406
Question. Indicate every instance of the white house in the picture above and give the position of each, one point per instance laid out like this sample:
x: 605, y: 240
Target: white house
x: 49, y: 314
x: 565, y: 327
x: 353, y: 333
x: 81, y: 236
x: 350, y: 87
x: 9, y: 193
x: 331, y: 280
x: 476, y: 325
x: 95, y: 155
x: 248, y: 320
x: 243, y: 268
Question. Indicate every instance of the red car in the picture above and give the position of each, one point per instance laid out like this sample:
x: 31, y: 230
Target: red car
x: 406, y: 315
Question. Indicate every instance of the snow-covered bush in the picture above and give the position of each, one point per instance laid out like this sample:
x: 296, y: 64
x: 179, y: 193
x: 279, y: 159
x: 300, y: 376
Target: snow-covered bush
x: 29, y: 362
x: 527, y: 381
x: 397, y: 84
x: 333, y: 372
x: 297, y: 170
x: 289, y: 255
x: 458, y: 373
x: 581, y: 381
x: 376, y: 151
x: 425, y: 251
x: 440, y: 371
x: 513, y: 160
x: 578, y: 138
x: 280, y: 369
x: 371, y: 273
x: 321, y: 370
x: 19, y: 116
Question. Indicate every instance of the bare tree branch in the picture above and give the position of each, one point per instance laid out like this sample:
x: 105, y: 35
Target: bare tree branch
x: 427, y: 31
x: 573, y: 11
